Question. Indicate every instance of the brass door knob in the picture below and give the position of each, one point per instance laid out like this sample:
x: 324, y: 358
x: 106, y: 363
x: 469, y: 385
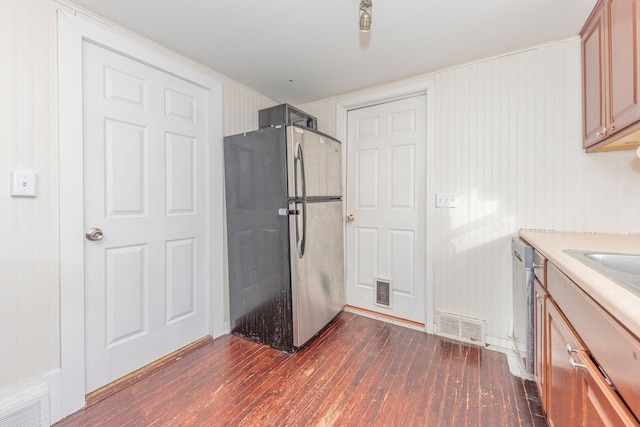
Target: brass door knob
x: 351, y: 217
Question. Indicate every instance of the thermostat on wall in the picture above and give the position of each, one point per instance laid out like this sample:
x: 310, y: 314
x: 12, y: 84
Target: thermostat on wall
x: 23, y: 184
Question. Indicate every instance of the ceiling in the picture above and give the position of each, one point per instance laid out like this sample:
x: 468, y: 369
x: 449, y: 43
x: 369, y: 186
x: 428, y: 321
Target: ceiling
x: 298, y: 51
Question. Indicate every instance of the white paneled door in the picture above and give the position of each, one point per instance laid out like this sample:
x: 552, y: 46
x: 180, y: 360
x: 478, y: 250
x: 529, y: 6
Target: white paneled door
x: 145, y: 171
x: 386, y: 187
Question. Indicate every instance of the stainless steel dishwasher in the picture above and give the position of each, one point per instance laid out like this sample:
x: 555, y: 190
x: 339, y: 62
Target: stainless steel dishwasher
x: 523, y: 304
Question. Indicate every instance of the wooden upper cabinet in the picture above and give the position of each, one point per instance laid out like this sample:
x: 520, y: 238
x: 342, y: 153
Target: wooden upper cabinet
x: 624, y: 74
x: 611, y: 76
x: 593, y: 78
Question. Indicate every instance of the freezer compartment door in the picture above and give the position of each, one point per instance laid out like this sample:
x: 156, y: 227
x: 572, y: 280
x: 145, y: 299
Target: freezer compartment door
x: 318, y: 273
x: 314, y: 161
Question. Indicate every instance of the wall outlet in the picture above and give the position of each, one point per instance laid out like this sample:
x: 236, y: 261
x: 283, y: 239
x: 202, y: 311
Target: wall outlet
x: 446, y: 200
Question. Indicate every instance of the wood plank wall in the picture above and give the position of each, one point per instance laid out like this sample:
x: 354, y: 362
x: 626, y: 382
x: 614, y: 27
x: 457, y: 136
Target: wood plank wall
x: 507, y: 141
x: 29, y: 288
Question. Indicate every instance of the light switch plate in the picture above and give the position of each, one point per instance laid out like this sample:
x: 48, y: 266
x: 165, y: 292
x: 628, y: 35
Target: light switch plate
x: 23, y: 184
x: 446, y: 200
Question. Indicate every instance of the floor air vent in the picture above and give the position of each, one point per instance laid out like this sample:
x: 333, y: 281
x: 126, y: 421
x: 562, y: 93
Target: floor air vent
x: 383, y: 292
x: 28, y: 410
x: 461, y: 328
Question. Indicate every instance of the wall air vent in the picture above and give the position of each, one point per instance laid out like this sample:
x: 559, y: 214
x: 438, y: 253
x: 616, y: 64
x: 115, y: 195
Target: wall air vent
x: 383, y: 292
x: 462, y: 328
x: 27, y: 410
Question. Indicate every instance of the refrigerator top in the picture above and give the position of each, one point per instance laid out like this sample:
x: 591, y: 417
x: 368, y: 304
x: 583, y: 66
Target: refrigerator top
x: 270, y: 129
x: 308, y: 129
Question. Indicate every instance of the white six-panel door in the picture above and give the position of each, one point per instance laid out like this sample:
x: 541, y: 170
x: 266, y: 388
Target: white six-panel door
x: 386, y: 196
x: 145, y: 171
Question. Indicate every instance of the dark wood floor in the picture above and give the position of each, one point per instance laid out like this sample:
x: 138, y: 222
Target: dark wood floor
x: 359, y: 371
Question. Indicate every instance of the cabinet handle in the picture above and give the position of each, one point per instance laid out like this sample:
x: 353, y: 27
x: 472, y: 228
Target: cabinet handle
x: 538, y: 265
x: 571, y: 350
x: 605, y: 131
x: 575, y: 364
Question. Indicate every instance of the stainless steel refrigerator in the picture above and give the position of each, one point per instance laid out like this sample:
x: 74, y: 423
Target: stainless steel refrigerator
x: 284, y: 234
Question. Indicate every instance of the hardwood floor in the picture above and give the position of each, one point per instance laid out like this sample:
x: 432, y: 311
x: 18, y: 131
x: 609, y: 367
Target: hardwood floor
x: 358, y: 372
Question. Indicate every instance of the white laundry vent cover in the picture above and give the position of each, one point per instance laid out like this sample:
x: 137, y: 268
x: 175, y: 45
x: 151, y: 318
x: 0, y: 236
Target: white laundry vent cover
x: 27, y: 410
x: 462, y: 328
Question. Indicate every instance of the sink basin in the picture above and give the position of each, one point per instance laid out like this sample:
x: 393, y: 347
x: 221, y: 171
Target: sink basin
x: 624, y: 263
x: 624, y: 269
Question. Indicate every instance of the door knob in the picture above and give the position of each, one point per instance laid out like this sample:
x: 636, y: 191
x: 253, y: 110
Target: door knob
x: 94, y: 234
x: 351, y: 217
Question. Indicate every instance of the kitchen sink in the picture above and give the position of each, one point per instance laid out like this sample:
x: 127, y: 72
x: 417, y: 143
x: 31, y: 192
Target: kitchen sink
x: 623, y: 269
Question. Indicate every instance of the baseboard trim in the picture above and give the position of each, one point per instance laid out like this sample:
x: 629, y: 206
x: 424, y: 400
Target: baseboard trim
x: 135, y: 376
x: 385, y: 318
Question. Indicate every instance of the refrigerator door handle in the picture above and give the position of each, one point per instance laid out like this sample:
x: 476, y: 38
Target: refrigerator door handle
x: 302, y: 240
x: 298, y: 156
x: 301, y: 235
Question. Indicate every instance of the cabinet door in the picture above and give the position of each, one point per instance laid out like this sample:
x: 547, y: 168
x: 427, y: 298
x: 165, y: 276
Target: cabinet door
x: 624, y: 103
x: 593, y: 79
x: 540, y: 340
x: 599, y: 404
x: 563, y: 393
x: 608, y: 342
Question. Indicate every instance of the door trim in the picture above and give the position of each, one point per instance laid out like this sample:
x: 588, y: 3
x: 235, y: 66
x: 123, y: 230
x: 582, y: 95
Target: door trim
x: 424, y: 86
x: 72, y: 32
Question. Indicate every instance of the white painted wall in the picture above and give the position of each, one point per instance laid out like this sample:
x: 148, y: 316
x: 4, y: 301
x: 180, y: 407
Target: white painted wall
x: 29, y: 228
x: 507, y: 140
x: 29, y: 289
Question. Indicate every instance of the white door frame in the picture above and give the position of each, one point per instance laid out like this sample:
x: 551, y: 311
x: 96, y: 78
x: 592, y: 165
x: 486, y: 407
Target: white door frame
x: 378, y: 96
x: 72, y: 31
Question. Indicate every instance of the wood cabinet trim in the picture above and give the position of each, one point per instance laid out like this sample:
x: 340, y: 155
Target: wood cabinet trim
x: 596, y: 10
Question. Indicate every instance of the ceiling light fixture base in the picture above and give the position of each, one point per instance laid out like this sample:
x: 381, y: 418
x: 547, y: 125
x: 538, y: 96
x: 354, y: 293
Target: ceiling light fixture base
x: 365, y: 15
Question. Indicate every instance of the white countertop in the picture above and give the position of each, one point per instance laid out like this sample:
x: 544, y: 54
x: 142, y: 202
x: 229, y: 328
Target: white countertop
x: 621, y: 303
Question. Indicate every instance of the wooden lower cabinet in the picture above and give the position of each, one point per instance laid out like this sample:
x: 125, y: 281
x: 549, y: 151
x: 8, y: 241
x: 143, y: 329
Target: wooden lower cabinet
x: 562, y: 380
x: 597, y: 404
x: 573, y: 390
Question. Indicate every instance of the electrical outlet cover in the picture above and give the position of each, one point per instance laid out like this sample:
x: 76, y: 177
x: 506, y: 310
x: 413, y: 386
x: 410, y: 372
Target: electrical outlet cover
x: 446, y: 200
